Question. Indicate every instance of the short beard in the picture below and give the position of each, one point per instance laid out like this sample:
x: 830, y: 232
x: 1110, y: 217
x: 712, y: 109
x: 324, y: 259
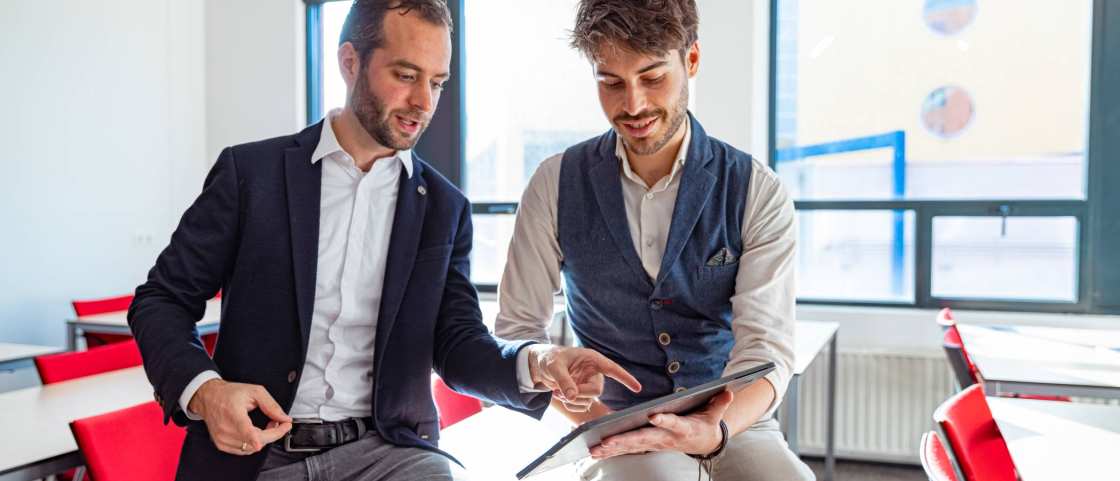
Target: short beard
x: 371, y: 113
x: 676, y: 118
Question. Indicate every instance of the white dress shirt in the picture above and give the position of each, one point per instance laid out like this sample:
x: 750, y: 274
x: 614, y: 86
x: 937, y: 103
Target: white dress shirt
x: 356, y: 214
x: 762, y: 305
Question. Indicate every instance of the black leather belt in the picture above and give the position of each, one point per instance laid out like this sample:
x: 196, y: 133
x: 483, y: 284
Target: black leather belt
x: 313, y: 435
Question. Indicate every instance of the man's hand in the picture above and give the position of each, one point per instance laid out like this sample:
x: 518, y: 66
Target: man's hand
x: 595, y: 411
x: 697, y: 433
x: 575, y: 374
x: 225, y: 406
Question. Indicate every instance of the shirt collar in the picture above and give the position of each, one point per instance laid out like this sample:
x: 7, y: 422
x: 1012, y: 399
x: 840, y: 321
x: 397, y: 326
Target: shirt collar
x: 328, y: 145
x: 682, y: 156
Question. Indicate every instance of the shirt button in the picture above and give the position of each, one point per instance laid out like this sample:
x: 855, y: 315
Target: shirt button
x: 655, y: 304
x: 663, y: 338
x: 680, y: 389
x: 649, y: 196
x: 291, y: 377
x: 674, y: 367
x: 649, y: 242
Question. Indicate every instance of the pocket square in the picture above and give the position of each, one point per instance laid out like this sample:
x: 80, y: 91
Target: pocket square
x: 722, y: 258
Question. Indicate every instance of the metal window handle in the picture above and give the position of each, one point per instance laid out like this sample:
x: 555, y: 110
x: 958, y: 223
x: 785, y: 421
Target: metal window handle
x: 1005, y: 212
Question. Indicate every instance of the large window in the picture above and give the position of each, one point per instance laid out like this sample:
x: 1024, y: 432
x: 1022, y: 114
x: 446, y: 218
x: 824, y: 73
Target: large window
x: 936, y: 150
x: 940, y: 152
x: 528, y: 96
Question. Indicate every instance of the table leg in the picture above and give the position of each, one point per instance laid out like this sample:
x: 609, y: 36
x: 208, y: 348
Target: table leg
x: 830, y: 442
x: 71, y: 337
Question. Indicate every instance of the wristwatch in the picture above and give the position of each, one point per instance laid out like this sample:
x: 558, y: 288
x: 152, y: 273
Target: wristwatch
x: 719, y: 449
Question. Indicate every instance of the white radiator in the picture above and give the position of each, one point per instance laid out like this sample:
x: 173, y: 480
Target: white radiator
x: 884, y: 402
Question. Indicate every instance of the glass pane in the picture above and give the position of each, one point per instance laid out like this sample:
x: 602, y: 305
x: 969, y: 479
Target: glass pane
x: 1024, y: 258
x: 334, y: 89
x: 527, y: 99
x: 492, y: 233
x: 856, y: 255
x: 881, y: 99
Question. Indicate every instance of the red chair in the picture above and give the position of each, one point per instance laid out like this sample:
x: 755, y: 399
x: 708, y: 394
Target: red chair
x: 963, y: 367
x: 118, y: 304
x: 131, y: 444
x: 973, y: 437
x: 101, y: 306
x: 65, y: 366
x: 962, y: 364
x: 453, y: 407
x: 935, y: 459
x: 71, y: 365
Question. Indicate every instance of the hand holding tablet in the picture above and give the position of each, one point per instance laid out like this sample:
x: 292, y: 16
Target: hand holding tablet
x: 577, y: 444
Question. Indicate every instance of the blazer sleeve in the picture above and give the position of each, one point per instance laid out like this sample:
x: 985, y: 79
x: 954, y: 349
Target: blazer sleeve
x: 188, y: 272
x: 468, y: 357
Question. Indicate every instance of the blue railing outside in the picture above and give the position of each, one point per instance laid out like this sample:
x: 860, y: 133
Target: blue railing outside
x: 896, y: 141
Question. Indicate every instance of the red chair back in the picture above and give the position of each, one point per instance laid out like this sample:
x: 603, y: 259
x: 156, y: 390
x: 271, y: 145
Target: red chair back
x: 70, y: 365
x: 91, y: 307
x: 453, y: 407
x: 973, y: 437
x: 131, y: 444
x: 935, y: 459
x: 963, y: 368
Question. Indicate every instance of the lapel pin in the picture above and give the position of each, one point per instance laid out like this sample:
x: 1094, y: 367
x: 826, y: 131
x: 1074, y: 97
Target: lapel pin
x: 422, y: 190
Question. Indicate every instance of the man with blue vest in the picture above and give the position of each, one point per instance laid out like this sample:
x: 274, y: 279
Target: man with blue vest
x: 675, y: 252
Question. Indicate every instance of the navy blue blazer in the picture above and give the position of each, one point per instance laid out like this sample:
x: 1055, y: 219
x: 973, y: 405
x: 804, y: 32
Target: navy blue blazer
x: 253, y: 232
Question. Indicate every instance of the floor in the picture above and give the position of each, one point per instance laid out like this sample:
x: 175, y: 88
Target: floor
x: 862, y: 471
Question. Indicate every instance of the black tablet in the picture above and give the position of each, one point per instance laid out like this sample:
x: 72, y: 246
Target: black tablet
x: 577, y: 444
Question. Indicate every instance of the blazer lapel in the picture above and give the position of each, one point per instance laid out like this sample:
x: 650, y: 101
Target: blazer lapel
x: 304, y: 183
x: 404, y: 241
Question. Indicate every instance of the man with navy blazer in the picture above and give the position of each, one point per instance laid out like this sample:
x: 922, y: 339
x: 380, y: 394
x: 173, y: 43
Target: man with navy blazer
x: 343, y: 262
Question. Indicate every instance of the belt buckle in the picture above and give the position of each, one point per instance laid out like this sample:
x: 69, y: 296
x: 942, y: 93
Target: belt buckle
x: 288, y: 437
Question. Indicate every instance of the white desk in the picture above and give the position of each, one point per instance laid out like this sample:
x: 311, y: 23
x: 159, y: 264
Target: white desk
x: 15, y: 355
x: 38, y: 419
x: 483, y: 442
x: 117, y: 323
x: 17, y: 365
x: 497, y: 443
x: 810, y: 338
x: 1046, y: 361
x: 1051, y: 440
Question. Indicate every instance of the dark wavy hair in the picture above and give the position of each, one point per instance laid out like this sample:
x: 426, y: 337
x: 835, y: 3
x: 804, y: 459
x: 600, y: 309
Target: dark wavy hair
x: 649, y: 27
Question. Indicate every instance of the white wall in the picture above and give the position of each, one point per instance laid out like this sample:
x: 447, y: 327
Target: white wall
x: 255, y: 74
x: 104, y: 139
x: 115, y: 110
x: 730, y: 91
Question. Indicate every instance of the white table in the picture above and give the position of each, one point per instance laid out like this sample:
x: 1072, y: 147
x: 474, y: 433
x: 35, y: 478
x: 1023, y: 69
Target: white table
x: 17, y: 365
x: 14, y: 356
x: 37, y: 419
x: 1046, y: 361
x: 1051, y: 440
x: 117, y: 323
x: 810, y: 338
x: 484, y: 443
x: 497, y: 443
